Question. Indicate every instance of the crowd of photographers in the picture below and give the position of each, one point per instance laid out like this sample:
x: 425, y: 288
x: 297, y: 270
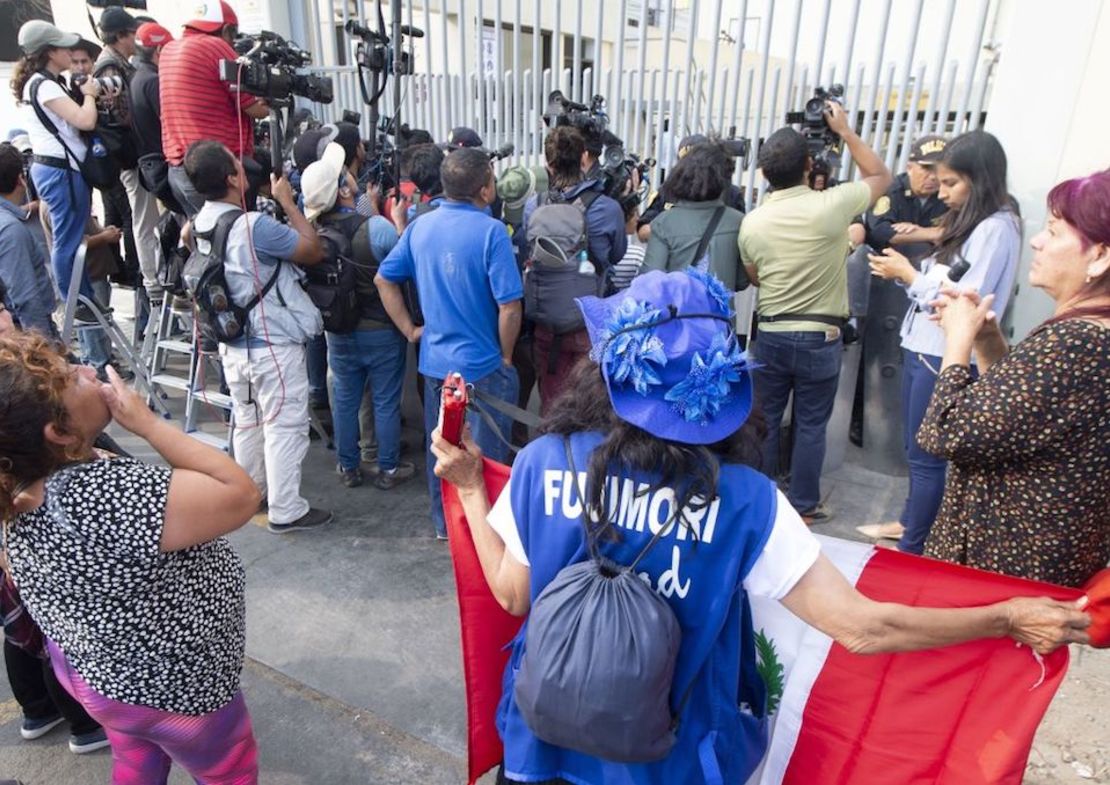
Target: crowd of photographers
x: 311, y: 274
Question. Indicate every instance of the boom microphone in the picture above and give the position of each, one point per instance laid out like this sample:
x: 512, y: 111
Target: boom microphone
x: 412, y: 32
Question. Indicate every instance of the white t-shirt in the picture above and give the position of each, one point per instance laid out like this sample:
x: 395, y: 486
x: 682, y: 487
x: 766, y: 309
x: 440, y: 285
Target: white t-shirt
x: 42, y: 141
x: 790, y: 551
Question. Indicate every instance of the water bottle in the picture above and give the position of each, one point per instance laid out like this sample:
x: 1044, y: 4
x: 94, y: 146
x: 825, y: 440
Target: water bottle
x: 98, y: 148
x: 217, y: 298
x: 585, y: 266
x: 229, y: 324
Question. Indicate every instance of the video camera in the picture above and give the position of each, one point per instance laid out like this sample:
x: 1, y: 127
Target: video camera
x: 591, y: 120
x: 617, y: 165
x: 268, y: 67
x: 824, y: 145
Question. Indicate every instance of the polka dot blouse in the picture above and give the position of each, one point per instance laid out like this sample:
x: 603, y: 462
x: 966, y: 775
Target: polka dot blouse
x: 1028, y: 487
x: 164, y: 630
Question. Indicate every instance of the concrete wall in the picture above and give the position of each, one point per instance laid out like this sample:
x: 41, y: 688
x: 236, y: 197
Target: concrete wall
x: 1051, y: 114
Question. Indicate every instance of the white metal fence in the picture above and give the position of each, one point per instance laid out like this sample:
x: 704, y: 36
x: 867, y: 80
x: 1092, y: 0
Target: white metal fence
x: 664, y: 82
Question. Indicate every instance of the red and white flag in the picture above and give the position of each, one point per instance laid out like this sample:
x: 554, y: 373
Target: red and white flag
x: 962, y: 715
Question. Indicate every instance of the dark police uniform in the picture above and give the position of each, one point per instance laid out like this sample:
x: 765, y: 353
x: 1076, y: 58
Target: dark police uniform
x: 899, y: 205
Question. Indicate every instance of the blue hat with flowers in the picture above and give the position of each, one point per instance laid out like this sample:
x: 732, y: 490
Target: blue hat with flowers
x: 669, y: 356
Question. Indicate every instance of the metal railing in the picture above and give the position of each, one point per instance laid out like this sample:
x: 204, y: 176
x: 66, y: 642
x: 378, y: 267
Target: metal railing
x: 660, y: 86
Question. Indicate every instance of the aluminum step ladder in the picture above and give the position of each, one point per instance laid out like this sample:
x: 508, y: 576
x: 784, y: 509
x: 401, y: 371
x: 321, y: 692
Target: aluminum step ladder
x: 106, y: 323
x: 173, y: 338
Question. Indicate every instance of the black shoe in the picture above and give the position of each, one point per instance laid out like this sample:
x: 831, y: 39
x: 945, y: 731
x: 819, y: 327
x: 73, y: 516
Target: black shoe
x: 310, y: 520
x: 83, y: 314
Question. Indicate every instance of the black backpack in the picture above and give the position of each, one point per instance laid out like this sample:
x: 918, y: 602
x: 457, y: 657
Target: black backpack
x: 332, y: 285
x: 218, y: 317
x: 599, y: 659
x: 557, y: 241
x: 115, y: 135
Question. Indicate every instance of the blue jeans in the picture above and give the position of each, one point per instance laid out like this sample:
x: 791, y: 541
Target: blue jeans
x: 377, y: 358
x: 808, y: 365
x: 926, y: 489
x: 316, y: 352
x: 503, y: 384
x: 96, y: 348
x: 67, y: 197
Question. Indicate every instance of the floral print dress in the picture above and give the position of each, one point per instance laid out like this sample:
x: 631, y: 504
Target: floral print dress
x: 1028, y: 486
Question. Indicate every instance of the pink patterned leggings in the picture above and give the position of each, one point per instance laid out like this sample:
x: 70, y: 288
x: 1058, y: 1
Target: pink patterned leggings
x: 216, y: 748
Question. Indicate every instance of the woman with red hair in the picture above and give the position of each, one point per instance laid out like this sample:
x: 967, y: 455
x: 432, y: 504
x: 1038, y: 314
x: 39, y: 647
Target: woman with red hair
x: 1028, y: 488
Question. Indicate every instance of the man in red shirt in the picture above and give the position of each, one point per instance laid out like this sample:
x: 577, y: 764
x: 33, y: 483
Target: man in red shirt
x: 196, y: 103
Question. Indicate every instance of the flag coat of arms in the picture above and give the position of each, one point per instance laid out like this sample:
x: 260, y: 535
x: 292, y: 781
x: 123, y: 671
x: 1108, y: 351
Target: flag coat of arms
x: 961, y: 715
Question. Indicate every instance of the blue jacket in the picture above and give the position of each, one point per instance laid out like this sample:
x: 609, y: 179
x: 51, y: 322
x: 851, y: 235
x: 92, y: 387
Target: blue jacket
x: 719, y: 741
x: 23, y: 271
x: 607, y: 239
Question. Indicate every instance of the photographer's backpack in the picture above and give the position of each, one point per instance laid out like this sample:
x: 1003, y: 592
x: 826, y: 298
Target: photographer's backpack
x: 600, y: 650
x: 332, y: 285
x: 557, y: 242
x: 110, y: 126
x: 218, y: 317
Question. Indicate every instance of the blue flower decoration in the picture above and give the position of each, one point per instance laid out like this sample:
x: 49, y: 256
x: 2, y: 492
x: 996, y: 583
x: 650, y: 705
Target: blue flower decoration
x: 700, y: 396
x: 718, y: 292
x: 632, y: 355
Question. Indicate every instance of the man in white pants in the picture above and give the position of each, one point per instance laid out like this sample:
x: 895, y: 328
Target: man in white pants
x: 265, y: 369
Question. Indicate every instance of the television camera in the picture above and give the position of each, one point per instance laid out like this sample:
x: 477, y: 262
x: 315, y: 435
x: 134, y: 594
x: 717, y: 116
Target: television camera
x: 270, y: 67
x: 378, y: 56
x: 617, y: 165
x: 824, y: 145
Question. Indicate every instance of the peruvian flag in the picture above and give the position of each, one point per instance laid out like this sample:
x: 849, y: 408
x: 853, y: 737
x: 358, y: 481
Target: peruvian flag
x: 962, y: 715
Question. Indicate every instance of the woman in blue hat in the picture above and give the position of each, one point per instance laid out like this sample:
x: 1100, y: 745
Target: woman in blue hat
x: 660, y: 420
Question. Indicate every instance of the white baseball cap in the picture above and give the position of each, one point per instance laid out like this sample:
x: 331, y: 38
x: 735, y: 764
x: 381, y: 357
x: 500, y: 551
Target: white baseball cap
x: 320, y: 181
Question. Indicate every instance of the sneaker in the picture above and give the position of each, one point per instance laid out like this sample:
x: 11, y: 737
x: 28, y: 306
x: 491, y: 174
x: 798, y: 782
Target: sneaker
x: 310, y: 520
x: 33, y: 729
x: 81, y: 743
x: 388, y: 480
x: 819, y: 514
x: 83, y: 314
x: 352, y: 478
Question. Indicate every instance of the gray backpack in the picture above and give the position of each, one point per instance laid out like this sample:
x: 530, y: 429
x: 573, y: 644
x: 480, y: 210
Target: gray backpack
x: 599, y: 660
x: 557, y: 242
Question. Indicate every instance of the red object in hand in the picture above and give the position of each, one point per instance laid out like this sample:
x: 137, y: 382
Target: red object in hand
x: 1097, y: 590
x: 453, y: 409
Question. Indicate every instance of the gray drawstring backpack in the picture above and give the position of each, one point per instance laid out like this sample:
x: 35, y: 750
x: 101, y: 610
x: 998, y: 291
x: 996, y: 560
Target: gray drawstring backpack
x: 599, y: 659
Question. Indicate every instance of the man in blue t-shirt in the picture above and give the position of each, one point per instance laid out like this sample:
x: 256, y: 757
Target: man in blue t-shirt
x: 265, y: 368
x: 470, y: 291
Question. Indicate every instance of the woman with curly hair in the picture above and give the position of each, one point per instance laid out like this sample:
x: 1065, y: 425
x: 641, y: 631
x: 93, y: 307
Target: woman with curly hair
x: 661, y: 422
x: 125, y: 568
x: 698, y: 218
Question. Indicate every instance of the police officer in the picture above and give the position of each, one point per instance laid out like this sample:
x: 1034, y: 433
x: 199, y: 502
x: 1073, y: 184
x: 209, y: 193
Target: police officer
x: 733, y: 198
x: 909, y: 214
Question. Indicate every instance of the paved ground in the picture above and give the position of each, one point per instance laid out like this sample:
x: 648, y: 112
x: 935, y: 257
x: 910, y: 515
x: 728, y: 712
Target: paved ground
x: 353, y: 673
